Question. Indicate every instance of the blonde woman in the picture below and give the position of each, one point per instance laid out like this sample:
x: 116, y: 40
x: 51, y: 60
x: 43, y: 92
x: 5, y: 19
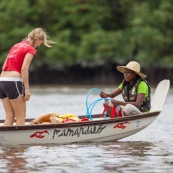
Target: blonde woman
x: 14, y: 79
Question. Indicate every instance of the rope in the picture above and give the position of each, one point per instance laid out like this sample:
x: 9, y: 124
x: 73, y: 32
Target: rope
x: 90, y: 107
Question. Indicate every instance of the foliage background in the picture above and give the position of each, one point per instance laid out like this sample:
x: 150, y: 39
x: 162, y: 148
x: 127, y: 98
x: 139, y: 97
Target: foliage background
x: 91, y: 34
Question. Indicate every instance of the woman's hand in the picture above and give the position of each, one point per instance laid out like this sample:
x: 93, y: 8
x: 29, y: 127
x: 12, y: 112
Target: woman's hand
x: 103, y: 95
x: 27, y: 95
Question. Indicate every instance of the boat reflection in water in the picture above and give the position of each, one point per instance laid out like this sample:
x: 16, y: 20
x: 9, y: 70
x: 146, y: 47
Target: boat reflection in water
x: 14, y: 159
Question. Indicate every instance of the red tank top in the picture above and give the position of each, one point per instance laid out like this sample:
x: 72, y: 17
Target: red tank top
x: 16, y: 55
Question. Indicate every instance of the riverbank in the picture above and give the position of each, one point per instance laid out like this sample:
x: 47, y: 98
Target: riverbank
x: 97, y: 75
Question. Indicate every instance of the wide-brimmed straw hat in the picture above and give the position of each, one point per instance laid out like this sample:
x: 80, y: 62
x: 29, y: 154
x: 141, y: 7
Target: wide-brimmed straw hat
x: 134, y: 66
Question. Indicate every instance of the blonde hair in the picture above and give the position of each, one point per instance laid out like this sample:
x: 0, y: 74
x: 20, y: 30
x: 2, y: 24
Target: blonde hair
x: 39, y: 33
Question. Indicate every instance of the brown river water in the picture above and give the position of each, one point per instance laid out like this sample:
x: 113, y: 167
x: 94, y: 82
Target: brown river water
x: 149, y: 151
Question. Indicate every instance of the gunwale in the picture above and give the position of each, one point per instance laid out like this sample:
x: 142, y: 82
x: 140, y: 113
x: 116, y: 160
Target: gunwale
x: 97, y: 119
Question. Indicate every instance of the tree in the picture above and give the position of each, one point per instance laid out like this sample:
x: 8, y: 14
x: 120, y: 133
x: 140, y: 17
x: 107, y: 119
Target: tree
x: 92, y: 32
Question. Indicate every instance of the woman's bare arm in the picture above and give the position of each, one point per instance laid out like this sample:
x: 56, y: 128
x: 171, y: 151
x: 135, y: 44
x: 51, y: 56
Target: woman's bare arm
x: 25, y: 74
x: 138, y: 102
x: 116, y: 92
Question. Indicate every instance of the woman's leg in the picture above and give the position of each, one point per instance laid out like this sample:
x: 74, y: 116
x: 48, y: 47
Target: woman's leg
x: 131, y: 110
x: 19, y: 106
x: 8, y: 111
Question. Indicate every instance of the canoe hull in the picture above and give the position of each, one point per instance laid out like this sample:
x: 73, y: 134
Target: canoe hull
x: 97, y: 130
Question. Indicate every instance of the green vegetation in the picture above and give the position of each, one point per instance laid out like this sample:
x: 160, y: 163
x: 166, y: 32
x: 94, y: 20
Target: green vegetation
x: 92, y: 32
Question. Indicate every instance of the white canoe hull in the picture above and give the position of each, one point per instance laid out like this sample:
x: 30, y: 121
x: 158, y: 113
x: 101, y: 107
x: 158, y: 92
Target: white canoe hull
x: 97, y: 130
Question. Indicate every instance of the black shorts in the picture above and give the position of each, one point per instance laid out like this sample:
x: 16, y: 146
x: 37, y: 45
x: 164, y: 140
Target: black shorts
x: 11, y: 87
